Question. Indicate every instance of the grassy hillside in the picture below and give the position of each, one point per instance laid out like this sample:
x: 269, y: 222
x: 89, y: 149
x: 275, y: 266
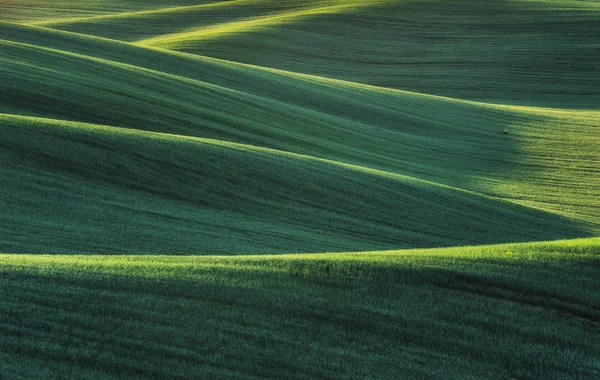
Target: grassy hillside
x: 541, y: 53
x: 169, y: 167
x: 32, y: 11
x: 417, y: 314
x: 452, y: 142
x: 72, y: 187
x: 137, y: 25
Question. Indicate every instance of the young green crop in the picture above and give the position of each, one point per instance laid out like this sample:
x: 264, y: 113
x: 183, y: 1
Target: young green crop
x: 425, y: 313
x: 446, y: 141
x: 74, y: 187
x: 273, y: 127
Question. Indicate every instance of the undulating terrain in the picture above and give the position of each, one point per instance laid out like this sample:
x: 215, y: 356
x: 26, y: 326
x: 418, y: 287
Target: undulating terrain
x: 299, y: 189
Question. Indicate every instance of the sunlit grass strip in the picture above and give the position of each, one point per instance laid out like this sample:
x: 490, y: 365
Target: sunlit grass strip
x: 213, y: 32
x: 587, y: 249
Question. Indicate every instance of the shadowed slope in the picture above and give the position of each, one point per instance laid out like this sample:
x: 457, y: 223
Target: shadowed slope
x: 398, y: 314
x: 34, y: 11
x: 519, y: 52
x: 70, y: 187
x: 457, y: 143
x: 527, y: 52
x: 180, y: 21
x: 188, y: 39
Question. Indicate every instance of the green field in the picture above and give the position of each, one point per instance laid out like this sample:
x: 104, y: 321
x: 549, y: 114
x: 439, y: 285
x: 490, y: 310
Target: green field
x: 299, y: 189
x: 413, y: 314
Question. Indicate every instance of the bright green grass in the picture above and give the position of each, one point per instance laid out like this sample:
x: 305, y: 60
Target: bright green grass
x: 69, y: 187
x: 496, y: 312
x: 442, y: 140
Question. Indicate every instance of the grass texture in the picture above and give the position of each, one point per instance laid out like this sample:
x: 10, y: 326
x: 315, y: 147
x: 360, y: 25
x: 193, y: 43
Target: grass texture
x: 527, y: 52
x: 389, y: 130
x: 169, y: 167
x: 72, y: 187
x: 417, y: 314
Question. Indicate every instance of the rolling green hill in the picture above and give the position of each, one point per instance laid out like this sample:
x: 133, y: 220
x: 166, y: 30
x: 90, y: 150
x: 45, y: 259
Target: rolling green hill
x: 527, y: 52
x: 133, y: 133
x: 84, y: 188
x: 136, y: 25
x: 31, y: 11
x: 396, y: 314
x: 383, y: 129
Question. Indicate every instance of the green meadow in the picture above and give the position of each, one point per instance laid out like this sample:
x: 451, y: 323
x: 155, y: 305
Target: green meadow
x: 477, y: 312
x: 299, y: 189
